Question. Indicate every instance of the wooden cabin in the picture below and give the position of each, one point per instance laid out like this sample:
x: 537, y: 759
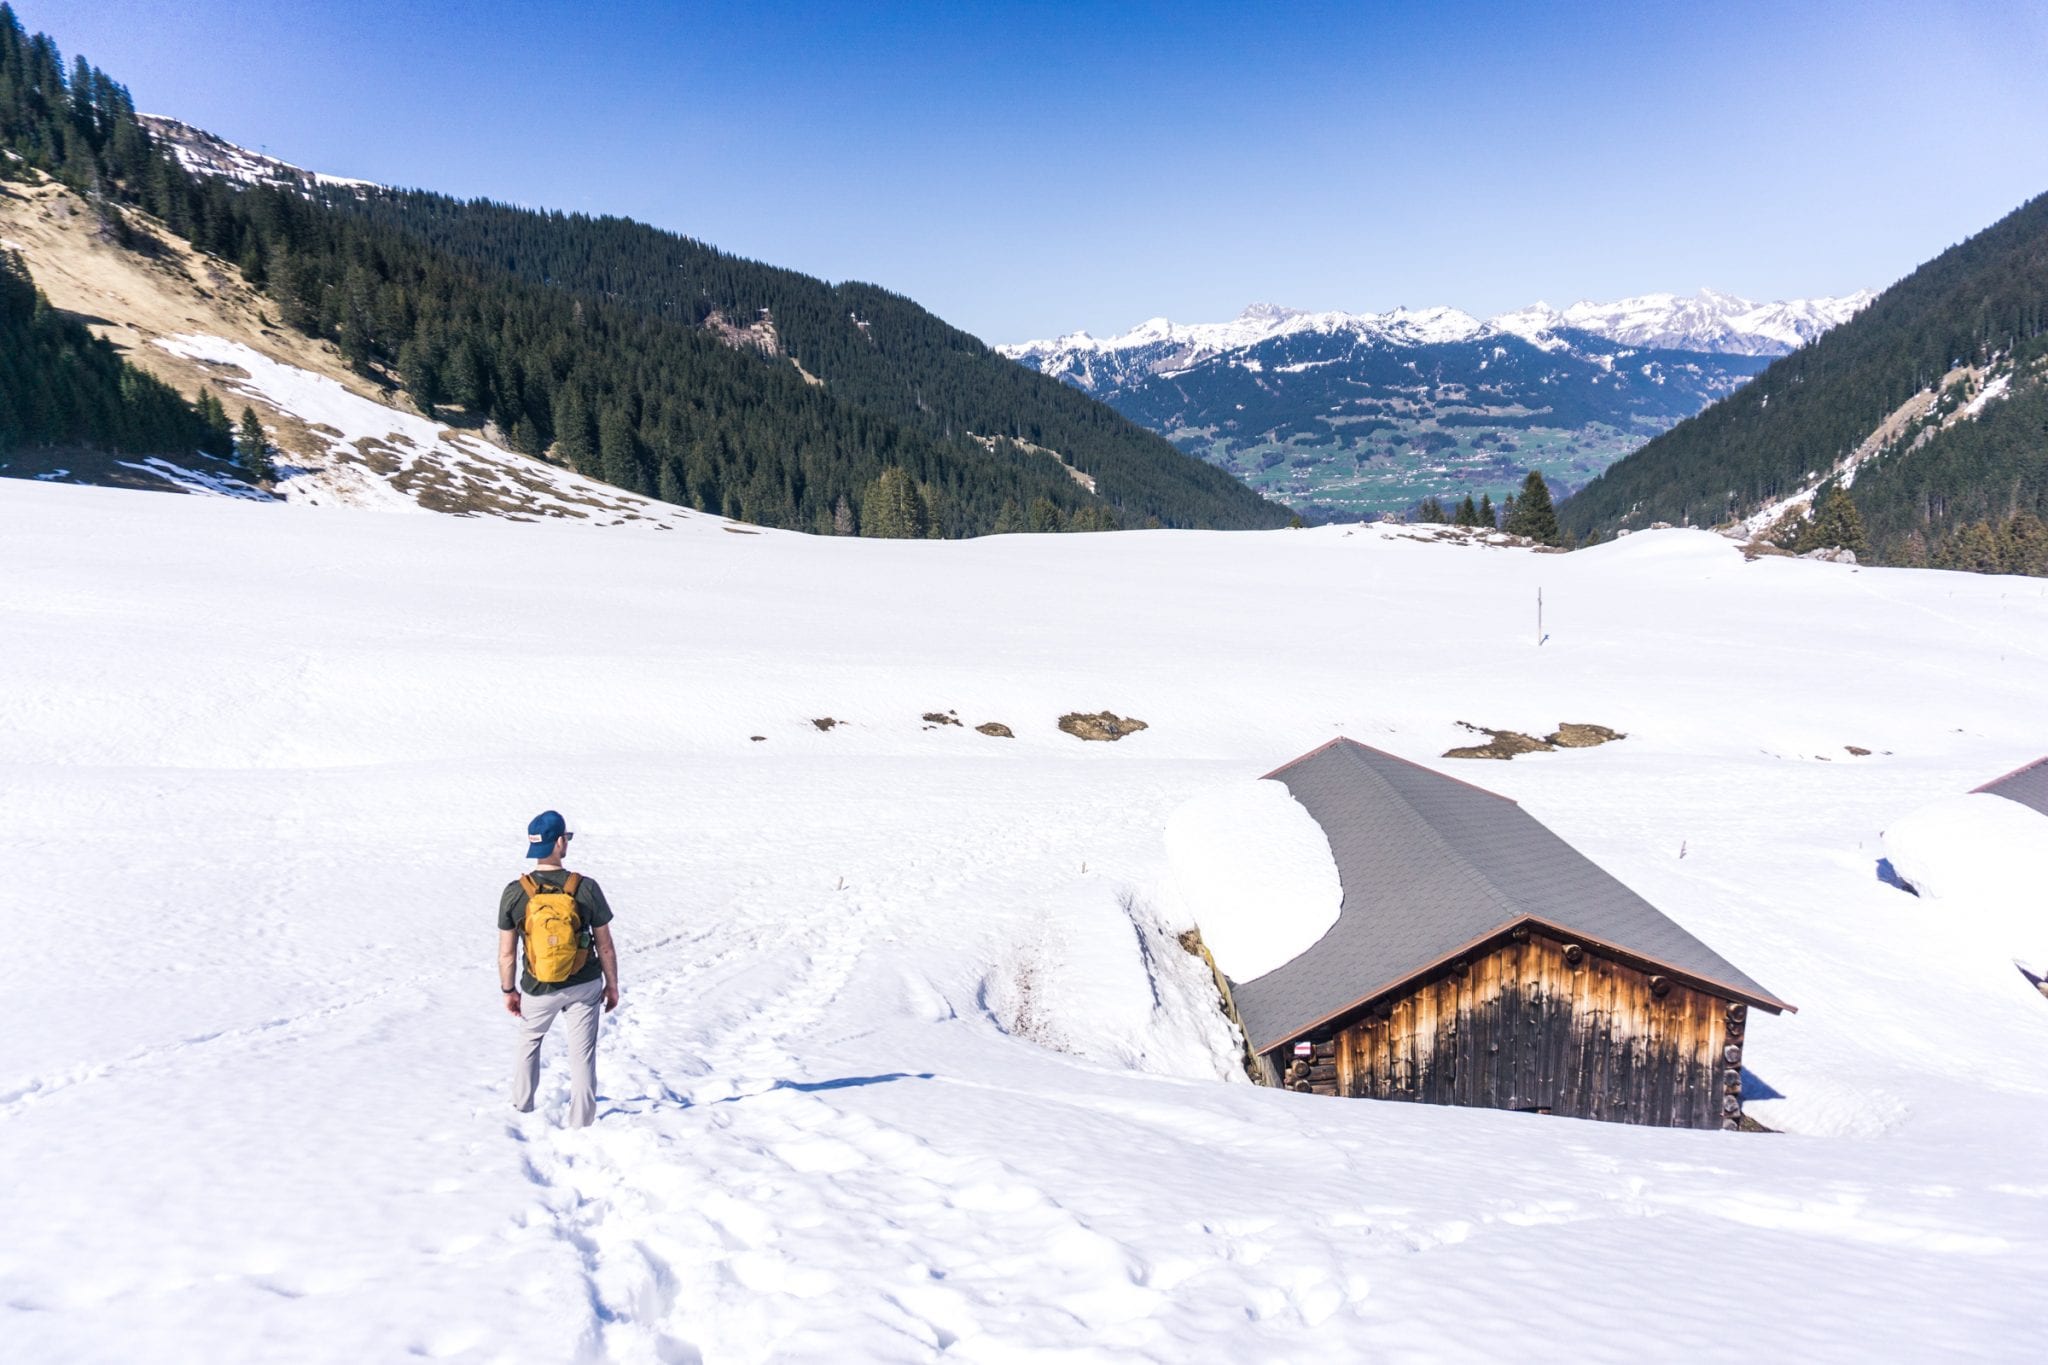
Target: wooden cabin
x: 1479, y: 959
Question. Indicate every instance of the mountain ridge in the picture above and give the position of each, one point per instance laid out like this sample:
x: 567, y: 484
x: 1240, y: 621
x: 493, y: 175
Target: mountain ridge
x: 1370, y: 414
x: 203, y: 153
x: 1710, y: 321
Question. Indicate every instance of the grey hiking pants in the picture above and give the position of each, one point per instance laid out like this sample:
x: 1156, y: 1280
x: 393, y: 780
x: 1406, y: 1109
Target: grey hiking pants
x: 579, y: 1007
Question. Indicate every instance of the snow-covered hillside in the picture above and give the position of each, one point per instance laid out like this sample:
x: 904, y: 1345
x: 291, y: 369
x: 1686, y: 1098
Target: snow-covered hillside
x: 910, y: 1065
x: 355, y: 452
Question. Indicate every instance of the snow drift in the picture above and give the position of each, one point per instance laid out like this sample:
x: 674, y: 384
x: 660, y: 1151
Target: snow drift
x: 1981, y: 862
x: 1255, y: 871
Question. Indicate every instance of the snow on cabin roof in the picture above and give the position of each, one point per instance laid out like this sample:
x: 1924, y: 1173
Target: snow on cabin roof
x: 2028, y: 785
x: 1431, y: 867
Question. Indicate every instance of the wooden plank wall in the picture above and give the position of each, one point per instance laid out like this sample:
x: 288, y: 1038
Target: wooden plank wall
x: 1538, y: 1023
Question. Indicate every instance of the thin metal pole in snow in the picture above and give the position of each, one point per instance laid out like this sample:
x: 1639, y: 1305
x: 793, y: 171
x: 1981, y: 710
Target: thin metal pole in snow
x: 1540, y: 636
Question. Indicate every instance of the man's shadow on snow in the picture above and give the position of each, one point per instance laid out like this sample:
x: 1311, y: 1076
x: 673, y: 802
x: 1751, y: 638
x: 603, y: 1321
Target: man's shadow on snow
x: 842, y: 1083
x: 668, y: 1098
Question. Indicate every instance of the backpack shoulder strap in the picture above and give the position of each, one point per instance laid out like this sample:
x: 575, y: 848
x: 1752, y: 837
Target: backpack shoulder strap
x: 569, y: 887
x: 529, y: 884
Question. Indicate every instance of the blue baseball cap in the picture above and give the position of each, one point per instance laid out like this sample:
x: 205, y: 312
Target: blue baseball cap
x: 542, y: 831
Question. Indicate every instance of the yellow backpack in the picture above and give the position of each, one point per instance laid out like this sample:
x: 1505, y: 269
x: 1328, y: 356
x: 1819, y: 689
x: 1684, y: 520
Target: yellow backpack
x: 555, y: 949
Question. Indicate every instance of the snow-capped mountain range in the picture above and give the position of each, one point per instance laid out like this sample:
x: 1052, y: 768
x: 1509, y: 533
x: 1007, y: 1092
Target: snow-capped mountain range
x: 1709, y: 321
x: 1348, y: 413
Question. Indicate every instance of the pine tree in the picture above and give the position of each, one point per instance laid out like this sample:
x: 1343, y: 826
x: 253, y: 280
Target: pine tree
x: 252, y: 263
x: 892, y: 509
x: 1534, y: 515
x: 526, y: 437
x: 252, y: 449
x: 575, y: 433
x: 218, y: 439
x: 1468, y: 512
x: 1487, y: 517
x: 421, y: 375
x: 1431, y: 511
x: 668, y: 483
x: 2023, y: 545
x: 467, y: 380
x: 1043, y: 516
x: 1009, y: 519
x: 842, y: 517
x: 938, y: 510
x: 618, y: 451
x: 1976, y: 549
x: 1835, y: 526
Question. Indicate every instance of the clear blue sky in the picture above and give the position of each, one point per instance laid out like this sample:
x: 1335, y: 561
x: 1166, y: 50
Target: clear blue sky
x: 1025, y: 169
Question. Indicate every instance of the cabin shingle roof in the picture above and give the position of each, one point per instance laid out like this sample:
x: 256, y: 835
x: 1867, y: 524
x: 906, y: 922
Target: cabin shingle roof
x: 2028, y: 785
x: 1431, y: 866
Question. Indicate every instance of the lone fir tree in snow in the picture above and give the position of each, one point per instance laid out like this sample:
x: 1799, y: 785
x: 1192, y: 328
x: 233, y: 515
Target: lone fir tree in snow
x: 1488, y: 518
x: 252, y: 450
x: 1468, y: 513
x: 1835, y: 526
x: 1532, y: 513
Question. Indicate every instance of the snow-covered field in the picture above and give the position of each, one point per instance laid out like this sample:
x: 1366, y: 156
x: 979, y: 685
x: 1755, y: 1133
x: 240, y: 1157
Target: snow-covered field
x: 909, y: 1065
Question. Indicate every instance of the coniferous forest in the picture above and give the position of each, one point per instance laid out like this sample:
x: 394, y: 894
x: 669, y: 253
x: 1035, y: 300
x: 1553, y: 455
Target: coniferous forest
x: 636, y: 356
x: 62, y: 386
x: 1949, y: 488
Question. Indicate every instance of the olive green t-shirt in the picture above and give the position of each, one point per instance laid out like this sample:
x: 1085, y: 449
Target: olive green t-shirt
x: 590, y: 904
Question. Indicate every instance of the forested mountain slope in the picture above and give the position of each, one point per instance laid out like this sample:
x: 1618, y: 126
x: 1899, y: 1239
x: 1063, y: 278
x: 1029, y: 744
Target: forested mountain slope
x: 548, y: 331
x: 1930, y: 408
x: 869, y: 346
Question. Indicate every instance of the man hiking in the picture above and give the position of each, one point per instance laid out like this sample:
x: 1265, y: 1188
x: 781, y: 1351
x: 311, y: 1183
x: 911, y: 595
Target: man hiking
x: 564, y: 923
